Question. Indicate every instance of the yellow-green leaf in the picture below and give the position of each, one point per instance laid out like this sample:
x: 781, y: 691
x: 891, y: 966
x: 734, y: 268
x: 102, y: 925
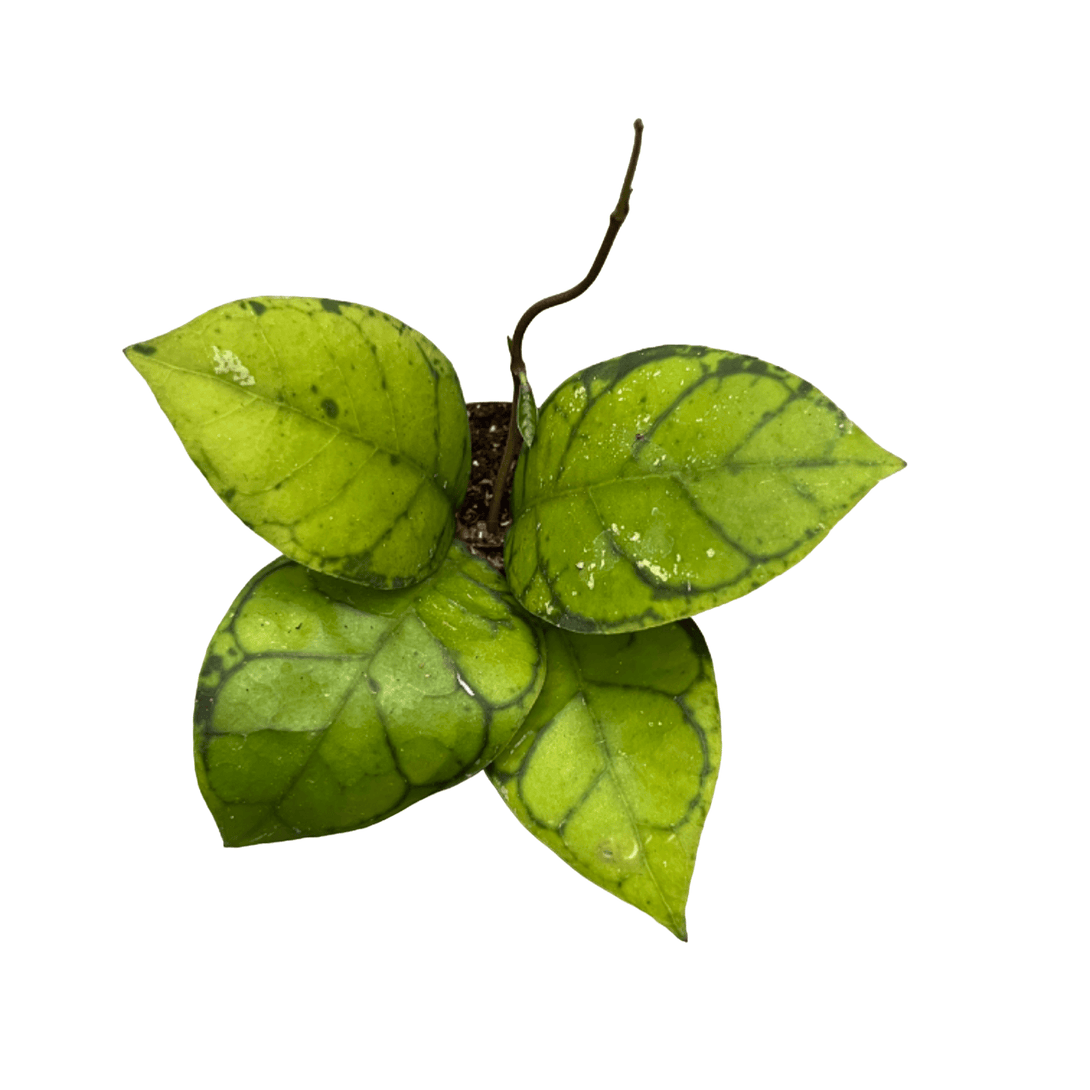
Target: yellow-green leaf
x: 674, y: 479
x: 336, y: 432
x: 615, y: 765
x: 325, y: 706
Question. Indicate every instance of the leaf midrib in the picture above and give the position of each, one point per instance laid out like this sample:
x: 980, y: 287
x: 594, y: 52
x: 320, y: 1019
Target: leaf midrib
x: 583, y: 688
x: 284, y: 406
x: 695, y: 475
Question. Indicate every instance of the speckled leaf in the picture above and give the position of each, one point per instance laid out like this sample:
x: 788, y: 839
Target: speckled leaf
x: 336, y: 432
x: 325, y: 706
x: 674, y: 479
x: 615, y: 765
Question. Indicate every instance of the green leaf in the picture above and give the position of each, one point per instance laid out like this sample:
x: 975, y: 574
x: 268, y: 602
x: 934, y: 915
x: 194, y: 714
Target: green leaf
x: 336, y: 432
x: 615, y: 766
x: 527, y: 410
x: 671, y: 480
x: 325, y: 706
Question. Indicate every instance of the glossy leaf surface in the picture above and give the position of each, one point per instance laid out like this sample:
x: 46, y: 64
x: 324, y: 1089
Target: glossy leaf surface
x: 336, y: 432
x: 325, y: 706
x: 671, y: 480
x: 615, y: 766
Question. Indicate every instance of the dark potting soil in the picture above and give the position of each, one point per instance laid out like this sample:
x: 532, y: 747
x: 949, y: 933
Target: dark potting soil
x: 488, y: 425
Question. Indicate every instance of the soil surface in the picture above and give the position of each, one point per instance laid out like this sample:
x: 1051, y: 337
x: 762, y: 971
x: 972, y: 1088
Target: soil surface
x: 488, y: 425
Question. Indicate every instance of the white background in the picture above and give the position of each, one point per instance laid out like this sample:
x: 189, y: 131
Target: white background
x: 889, y: 200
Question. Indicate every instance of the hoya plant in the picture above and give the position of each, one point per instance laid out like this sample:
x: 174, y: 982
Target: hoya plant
x: 434, y: 614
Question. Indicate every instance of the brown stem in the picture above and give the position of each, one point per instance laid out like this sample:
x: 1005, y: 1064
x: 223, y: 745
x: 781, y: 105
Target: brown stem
x: 518, y: 367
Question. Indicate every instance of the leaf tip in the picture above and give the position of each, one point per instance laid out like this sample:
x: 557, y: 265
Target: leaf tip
x: 140, y: 349
x: 674, y: 921
x: 893, y: 465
